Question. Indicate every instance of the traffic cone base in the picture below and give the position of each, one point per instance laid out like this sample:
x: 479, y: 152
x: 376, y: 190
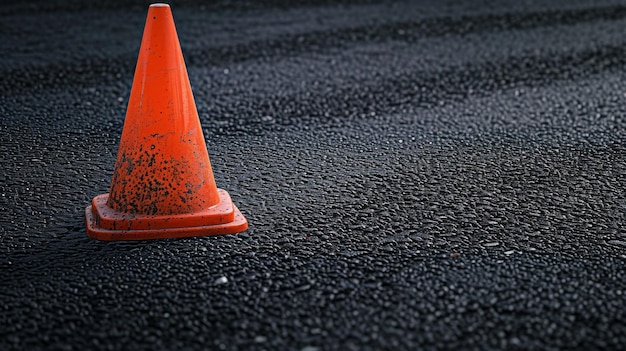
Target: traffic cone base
x: 104, y: 223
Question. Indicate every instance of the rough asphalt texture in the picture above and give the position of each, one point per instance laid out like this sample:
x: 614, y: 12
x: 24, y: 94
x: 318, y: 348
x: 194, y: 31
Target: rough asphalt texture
x: 445, y: 175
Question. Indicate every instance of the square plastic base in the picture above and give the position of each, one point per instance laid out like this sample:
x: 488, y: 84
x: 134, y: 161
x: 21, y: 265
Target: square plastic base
x: 239, y: 224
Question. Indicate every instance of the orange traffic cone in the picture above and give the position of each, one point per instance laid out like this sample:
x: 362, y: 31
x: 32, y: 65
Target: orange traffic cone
x: 162, y: 185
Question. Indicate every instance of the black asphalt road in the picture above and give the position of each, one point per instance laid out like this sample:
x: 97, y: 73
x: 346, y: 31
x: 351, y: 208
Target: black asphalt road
x: 417, y: 175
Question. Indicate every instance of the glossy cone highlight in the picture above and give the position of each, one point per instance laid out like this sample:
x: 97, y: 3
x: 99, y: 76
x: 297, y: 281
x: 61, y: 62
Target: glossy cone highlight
x: 162, y: 185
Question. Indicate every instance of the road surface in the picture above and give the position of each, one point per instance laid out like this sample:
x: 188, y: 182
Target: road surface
x: 417, y: 175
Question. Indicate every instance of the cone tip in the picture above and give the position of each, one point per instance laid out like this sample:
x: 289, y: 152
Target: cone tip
x: 159, y: 5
